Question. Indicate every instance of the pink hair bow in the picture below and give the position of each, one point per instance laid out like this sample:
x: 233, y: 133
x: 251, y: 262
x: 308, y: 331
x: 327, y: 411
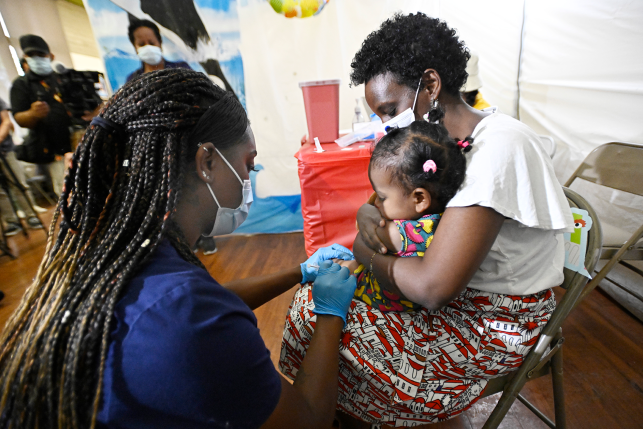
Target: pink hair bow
x: 463, y: 144
x: 429, y: 165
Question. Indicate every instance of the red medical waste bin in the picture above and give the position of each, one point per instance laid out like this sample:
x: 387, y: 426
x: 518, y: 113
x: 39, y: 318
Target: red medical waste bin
x: 321, y: 100
x: 334, y: 184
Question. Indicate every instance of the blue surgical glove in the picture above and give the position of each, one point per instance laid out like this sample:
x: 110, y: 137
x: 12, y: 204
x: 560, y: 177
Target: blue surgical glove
x: 311, y: 266
x: 333, y: 290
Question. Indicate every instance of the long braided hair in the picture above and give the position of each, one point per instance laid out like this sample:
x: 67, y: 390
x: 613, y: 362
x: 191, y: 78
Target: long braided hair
x: 115, y: 209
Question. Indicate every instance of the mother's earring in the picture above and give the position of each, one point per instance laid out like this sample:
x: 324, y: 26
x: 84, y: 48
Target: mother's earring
x: 435, y: 114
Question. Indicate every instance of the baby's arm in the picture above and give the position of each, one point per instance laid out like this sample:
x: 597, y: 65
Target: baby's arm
x: 352, y: 265
x: 390, y: 236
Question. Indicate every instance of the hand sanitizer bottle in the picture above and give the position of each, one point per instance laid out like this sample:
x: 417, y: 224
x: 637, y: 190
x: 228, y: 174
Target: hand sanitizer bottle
x: 359, y: 116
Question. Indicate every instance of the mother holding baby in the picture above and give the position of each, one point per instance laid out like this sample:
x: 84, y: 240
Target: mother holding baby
x: 484, y: 284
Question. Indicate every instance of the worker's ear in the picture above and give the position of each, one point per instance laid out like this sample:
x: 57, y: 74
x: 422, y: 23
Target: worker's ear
x: 205, y: 160
x: 51, y: 56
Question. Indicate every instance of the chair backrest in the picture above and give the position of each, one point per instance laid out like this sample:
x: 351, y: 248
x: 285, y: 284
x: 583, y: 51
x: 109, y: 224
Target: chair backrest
x: 594, y: 241
x: 574, y: 282
x: 549, y: 145
x: 615, y: 165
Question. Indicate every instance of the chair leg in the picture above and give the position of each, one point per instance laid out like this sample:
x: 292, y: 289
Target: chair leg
x: 537, y: 412
x: 43, y: 193
x: 4, y: 248
x: 557, y: 381
x: 500, y: 411
x: 610, y: 264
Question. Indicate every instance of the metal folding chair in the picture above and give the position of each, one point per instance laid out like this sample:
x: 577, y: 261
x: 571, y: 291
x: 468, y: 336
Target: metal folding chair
x: 618, y: 166
x: 538, y: 363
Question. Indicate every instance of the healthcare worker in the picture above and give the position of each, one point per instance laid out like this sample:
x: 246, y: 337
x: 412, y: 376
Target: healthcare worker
x: 123, y: 326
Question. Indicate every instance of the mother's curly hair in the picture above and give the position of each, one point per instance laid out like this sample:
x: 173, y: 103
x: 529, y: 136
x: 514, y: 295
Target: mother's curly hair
x: 406, y: 45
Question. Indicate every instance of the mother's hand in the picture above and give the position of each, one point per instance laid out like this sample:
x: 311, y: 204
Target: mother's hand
x: 310, y: 268
x: 362, y: 252
x: 368, y: 220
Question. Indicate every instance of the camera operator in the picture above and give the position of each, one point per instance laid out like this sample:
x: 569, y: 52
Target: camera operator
x: 37, y: 104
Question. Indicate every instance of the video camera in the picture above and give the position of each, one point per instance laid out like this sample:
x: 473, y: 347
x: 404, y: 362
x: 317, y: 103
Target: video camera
x: 79, y: 93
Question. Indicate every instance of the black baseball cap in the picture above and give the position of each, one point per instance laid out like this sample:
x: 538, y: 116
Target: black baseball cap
x: 30, y: 43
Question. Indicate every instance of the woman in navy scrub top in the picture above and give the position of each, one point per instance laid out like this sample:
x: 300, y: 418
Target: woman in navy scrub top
x: 122, y: 326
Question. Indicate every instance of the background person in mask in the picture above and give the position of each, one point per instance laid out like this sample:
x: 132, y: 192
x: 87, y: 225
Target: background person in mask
x: 470, y: 92
x: 124, y: 326
x: 146, y: 38
x: 37, y: 104
x: 24, y: 65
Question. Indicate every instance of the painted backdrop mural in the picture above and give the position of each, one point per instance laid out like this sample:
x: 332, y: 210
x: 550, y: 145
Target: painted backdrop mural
x: 196, y: 31
x: 200, y: 32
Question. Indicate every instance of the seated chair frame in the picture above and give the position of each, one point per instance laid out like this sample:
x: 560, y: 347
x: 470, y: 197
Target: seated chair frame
x: 617, y: 166
x: 538, y: 363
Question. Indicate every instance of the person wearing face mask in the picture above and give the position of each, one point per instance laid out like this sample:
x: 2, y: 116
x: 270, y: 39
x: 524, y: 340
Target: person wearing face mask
x: 37, y: 104
x: 146, y: 38
x: 492, y: 262
x: 125, y: 328
x: 24, y: 65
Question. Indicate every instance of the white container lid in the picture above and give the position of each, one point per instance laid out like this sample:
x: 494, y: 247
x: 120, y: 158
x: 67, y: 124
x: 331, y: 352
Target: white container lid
x: 320, y: 82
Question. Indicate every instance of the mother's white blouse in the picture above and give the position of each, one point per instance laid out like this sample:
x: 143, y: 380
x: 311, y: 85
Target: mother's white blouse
x: 509, y: 171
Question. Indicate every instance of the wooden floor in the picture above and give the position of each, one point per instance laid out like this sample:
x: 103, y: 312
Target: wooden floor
x: 603, y: 347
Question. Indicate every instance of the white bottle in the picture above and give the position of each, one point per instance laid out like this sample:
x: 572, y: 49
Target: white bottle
x: 359, y: 116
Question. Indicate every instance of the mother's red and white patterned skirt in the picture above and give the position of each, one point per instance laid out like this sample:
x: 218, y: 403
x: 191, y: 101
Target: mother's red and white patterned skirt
x: 410, y: 368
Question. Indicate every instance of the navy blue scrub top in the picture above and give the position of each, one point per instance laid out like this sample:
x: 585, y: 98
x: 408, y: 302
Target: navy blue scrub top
x: 185, y: 353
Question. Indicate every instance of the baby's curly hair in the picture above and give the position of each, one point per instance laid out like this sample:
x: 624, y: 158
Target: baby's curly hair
x: 406, y: 45
x: 403, y: 152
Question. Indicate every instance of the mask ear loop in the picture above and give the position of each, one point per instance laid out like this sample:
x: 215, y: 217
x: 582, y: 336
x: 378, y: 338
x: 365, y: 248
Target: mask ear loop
x: 213, y: 196
x: 233, y: 170
x: 226, y: 161
x: 417, y: 91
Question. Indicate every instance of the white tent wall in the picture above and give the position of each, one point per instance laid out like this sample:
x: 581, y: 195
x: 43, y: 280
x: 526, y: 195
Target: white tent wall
x: 492, y: 30
x: 581, y: 73
x: 581, y: 82
x: 278, y: 53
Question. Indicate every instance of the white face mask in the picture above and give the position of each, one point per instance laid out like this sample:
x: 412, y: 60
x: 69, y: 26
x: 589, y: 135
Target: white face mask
x: 150, y: 54
x: 405, y: 118
x: 40, y: 65
x: 227, y: 219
